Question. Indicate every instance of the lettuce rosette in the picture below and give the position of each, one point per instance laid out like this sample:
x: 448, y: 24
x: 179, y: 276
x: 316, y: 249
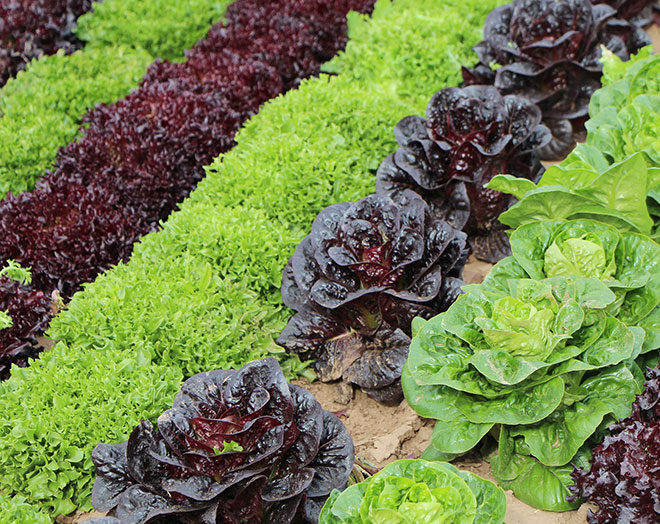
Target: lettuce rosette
x: 417, y: 492
x: 627, y: 263
x: 543, y: 365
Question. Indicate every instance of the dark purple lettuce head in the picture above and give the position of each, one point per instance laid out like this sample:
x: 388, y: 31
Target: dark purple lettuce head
x: 357, y: 281
x: 624, y: 475
x: 639, y: 12
x: 30, y: 311
x: 470, y: 135
x: 549, y: 51
x: 238, y: 447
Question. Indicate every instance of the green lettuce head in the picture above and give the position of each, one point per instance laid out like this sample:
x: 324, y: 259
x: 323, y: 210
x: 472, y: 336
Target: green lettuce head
x: 628, y: 263
x: 540, y: 364
x: 417, y: 492
x: 583, y: 256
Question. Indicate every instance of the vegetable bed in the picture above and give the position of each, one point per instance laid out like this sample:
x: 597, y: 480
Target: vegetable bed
x: 181, y: 255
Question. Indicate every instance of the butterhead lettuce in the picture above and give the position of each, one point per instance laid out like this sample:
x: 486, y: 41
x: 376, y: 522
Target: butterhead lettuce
x: 417, y: 492
x: 543, y: 355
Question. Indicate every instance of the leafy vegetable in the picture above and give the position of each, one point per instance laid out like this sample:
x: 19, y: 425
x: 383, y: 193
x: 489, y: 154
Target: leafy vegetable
x: 638, y: 11
x: 469, y: 136
x: 16, y: 509
x: 617, y: 195
x: 5, y: 320
x: 138, y: 158
x: 30, y: 29
x: 624, y: 111
x: 43, y: 107
x: 161, y: 28
x: 285, y: 454
x: 14, y: 271
x: 24, y: 314
x: 615, y: 176
x: 203, y: 293
x: 357, y: 281
x: 628, y: 263
x: 549, y: 50
x: 417, y: 492
x: 544, y: 359
x: 622, y: 478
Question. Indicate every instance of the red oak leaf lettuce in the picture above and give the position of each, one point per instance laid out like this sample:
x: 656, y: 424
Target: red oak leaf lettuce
x: 31, y: 29
x: 138, y: 158
x: 469, y: 136
x: 624, y: 478
x: 30, y: 311
x: 357, y: 281
x: 237, y: 447
x: 549, y: 51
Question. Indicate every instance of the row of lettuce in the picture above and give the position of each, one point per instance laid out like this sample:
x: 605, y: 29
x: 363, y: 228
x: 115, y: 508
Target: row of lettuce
x: 551, y: 349
x: 582, y: 330
x: 204, y: 292
x: 138, y: 158
x: 43, y: 107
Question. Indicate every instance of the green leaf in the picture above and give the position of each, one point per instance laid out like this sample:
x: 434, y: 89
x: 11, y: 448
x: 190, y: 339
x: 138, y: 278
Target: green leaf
x: 540, y: 486
x: 14, y: 271
x: 228, y: 447
x: 615, y: 345
x: 501, y: 275
x: 511, y: 185
x: 623, y: 188
x: 491, y: 500
x: 458, y: 435
x: 435, y: 455
x: 5, y: 320
x: 544, y: 203
x: 344, y: 506
x: 616, y: 196
x: 556, y: 440
x: 589, y: 293
x: 521, y: 406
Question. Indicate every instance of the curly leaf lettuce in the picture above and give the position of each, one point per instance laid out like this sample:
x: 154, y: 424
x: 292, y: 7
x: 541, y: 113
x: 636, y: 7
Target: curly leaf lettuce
x: 419, y: 492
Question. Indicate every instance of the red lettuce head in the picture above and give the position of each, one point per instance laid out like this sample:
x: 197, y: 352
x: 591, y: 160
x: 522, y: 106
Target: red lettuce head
x: 549, y: 51
x: 624, y: 477
x: 639, y: 12
x: 469, y: 136
x: 238, y: 447
x: 30, y: 311
x: 357, y: 281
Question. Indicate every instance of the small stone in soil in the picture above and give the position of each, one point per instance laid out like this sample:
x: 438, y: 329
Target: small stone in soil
x: 343, y: 393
